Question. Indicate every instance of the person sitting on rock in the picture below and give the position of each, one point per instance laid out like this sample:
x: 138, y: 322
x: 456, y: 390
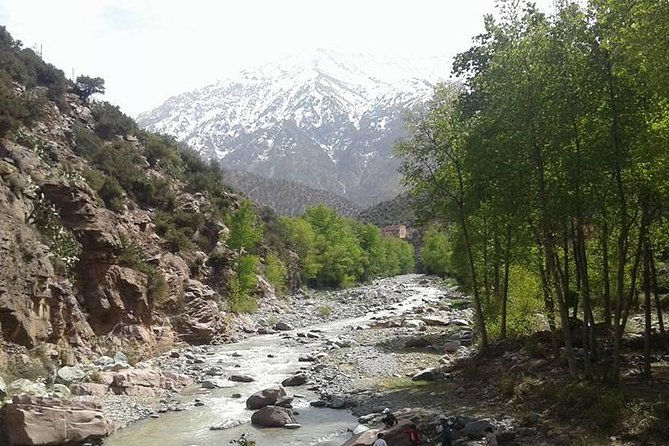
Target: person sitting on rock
x: 414, y: 435
x: 379, y: 440
x: 490, y: 437
x: 389, y: 420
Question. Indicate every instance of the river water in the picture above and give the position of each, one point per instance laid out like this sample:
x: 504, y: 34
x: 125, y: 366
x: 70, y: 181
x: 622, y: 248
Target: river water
x: 269, y: 359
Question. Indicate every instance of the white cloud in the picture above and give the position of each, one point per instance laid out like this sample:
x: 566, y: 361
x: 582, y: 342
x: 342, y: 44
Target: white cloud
x: 148, y: 50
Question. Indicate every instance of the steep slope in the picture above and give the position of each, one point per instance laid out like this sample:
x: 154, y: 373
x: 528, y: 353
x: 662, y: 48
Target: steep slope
x: 327, y: 121
x: 285, y: 197
x: 110, y: 236
x: 399, y: 210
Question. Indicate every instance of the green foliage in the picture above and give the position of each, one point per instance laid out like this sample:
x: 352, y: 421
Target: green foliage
x: 276, y: 272
x: 325, y: 311
x: 335, y: 251
x: 525, y: 305
x: 110, y: 121
x: 16, y: 107
x: 242, y: 285
x: 245, y: 229
x: 65, y: 248
x: 86, y: 86
x: 24, y: 66
x: 435, y: 251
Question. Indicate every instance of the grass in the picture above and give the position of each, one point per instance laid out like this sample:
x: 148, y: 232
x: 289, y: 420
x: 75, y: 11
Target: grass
x: 403, y: 383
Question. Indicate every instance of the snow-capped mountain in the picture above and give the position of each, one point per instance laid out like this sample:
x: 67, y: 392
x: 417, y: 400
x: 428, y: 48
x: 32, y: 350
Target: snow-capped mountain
x: 327, y: 120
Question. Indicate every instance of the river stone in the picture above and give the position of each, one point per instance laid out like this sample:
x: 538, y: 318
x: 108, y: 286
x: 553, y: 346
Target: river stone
x: 292, y: 426
x: 476, y: 429
x: 103, y: 361
x: 273, y: 416
x: 68, y: 375
x: 60, y: 391
x: 459, y: 322
x: 452, y: 346
x: 337, y: 402
x: 414, y: 323
x: 120, y: 357
x: 265, y: 397
x: 429, y: 374
x: 285, y: 401
x: 296, y: 380
x: 241, y: 378
x: 25, y: 386
x: 282, y: 326
x: 318, y: 403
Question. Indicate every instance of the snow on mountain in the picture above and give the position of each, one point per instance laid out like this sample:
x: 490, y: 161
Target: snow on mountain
x: 327, y: 120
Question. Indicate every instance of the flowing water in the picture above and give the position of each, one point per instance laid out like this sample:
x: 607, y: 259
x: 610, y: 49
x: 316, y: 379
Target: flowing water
x: 269, y: 359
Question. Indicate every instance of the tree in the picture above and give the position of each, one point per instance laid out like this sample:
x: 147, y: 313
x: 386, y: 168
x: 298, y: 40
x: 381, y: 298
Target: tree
x: 86, y: 87
x: 246, y: 231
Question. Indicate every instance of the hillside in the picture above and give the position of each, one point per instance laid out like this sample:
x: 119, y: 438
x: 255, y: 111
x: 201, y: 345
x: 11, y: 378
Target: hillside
x: 110, y: 236
x: 399, y: 210
x: 326, y: 120
x: 285, y: 197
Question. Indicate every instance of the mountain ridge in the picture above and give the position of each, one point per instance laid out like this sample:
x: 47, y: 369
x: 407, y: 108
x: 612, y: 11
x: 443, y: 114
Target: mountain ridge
x: 328, y: 121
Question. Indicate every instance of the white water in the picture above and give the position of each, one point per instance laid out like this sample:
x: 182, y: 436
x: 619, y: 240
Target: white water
x: 323, y: 427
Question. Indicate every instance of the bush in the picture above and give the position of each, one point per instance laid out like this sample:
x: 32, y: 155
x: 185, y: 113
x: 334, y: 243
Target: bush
x: 110, y: 121
x: 243, y: 284
x: 276, y: 273
x: 435, y: 251
x: 133, y: 256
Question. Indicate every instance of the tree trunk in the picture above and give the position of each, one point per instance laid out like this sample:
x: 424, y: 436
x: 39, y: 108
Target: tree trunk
x: 658, y: 306
x: 472, y: 270
x: 605, y: 273
x: 647, y: 310
x: 505, y: 292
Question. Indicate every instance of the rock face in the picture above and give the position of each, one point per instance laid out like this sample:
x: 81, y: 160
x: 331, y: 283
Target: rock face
x: 46, y: 421
x: 74, y: 267
x: 273, y: 416
x: 265, y: 397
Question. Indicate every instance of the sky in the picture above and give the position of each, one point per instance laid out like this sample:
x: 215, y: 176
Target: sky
x: 149, y: 50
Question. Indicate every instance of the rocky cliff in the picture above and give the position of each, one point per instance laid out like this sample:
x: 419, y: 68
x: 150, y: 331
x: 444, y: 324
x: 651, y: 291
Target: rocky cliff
x: 106, y: 239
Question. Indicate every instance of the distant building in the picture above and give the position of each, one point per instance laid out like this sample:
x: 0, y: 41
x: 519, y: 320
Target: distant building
x: 399, y: 231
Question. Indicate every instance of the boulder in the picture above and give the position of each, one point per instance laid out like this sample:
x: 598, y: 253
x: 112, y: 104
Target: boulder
x: 25, y: 386
x: 476, y: 429
x: 60, y: 391
x: 120, y: 357
x: 286, y: 401
x: 429, y: 374
x: 282, y: 326
x: 395, y: 436
x: 138, y: 377
x: 241, y: 378
x: 273, y: 416
x: 413, y: 323
x: 89, y: 389
x: 46, y: 421
x: 265, y: 397
x: 452, y: 346
x: 295, y: 380
x: 68, y: 375
x: 434, y: 321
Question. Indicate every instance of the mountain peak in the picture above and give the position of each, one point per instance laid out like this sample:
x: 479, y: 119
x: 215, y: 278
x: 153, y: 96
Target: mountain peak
x: 325, y: 119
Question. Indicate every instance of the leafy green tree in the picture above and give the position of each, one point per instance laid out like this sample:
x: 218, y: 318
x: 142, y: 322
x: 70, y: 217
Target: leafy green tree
x: 276, y: 272
x: 435, y: 251
x: 246, y: 231
x: 86, y: 86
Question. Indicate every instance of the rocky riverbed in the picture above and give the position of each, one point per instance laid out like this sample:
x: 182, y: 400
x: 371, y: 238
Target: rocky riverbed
x: 393, y: 344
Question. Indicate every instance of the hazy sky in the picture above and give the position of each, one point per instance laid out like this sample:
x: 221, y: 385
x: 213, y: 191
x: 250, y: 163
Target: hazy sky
x: 148, y: 50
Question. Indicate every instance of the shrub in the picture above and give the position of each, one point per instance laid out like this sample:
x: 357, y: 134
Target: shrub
x: 110, y: 121
x: 276, y: 272
x: 243, y: 284
x: 324, y: 311
x: 133, y: 256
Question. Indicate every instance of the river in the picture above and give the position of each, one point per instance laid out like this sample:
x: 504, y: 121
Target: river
x: 269, y: 359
